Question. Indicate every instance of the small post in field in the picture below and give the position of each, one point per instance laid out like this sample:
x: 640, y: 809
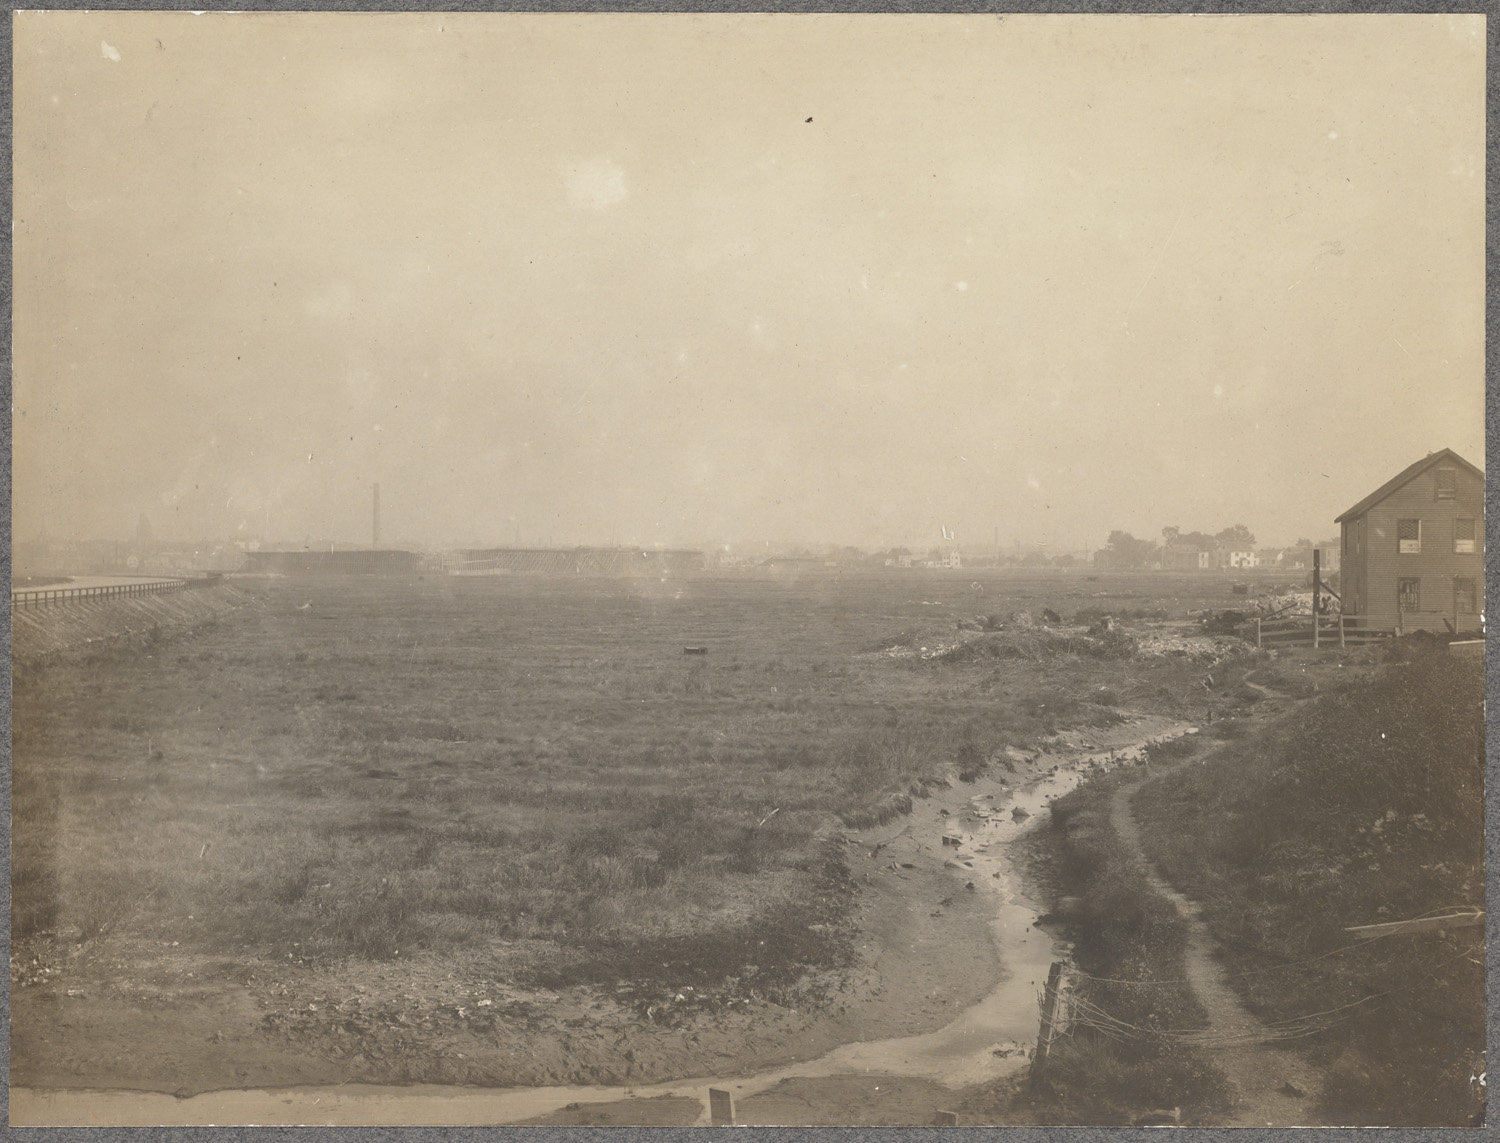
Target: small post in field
x: 1257, y: 632
x: 720, y: 1108
x: 1341, y: 630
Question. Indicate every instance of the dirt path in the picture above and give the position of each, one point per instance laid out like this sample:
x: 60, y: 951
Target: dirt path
x: 1265, y: 1075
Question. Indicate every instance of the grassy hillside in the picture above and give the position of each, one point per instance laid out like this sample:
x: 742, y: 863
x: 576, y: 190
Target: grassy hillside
x: 1366, y: 806
x: 1121, y: 932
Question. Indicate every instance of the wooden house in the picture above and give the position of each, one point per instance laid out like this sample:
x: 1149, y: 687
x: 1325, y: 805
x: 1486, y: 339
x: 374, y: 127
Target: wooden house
x: 1413, y: 550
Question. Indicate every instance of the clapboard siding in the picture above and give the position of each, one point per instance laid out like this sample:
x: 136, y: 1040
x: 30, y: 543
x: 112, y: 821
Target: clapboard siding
x: 1373, y: 562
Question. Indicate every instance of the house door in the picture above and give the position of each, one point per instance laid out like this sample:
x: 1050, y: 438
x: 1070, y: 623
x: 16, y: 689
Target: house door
x: 1465, y: 602
x: 1408, y: 598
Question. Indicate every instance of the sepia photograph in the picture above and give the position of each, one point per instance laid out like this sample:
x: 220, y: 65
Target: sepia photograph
x: 748, y: 569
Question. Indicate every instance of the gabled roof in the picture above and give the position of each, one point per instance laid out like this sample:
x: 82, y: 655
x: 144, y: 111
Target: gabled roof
x: 1405, y: 475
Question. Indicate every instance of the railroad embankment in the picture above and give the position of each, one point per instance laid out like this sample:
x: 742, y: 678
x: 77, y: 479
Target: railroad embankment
x: 83, y: 625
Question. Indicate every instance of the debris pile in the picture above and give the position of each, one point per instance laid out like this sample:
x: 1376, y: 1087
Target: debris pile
x: 1283, y: 605
x: 1207, y: 649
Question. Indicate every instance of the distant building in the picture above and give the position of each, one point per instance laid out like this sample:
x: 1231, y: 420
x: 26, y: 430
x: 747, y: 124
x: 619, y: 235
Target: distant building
x: 613, y: 562
x: 1413, y: 550
x: 1178, y: 556
x: 304, y: 563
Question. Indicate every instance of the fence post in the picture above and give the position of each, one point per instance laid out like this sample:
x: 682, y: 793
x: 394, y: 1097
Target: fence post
x: 1317, y: 591
x: 1257, y: 632
x: 1048, y: 1031
x: 720, y: 1108
x: 1341, y: 630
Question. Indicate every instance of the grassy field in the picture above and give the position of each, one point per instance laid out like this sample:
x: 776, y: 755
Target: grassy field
x: 531, y: 774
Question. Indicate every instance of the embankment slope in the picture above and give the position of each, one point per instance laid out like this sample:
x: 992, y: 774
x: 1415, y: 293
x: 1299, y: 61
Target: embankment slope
x: 1364, y: 806
x: 38, y: 633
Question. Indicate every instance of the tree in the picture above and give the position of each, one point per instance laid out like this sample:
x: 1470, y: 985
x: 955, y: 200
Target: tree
x: 1237, y: 538
x: 1125, y: 551
x: 1169, y: 534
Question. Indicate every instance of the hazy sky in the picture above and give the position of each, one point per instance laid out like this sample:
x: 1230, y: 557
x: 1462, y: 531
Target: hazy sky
x: 693, y: 279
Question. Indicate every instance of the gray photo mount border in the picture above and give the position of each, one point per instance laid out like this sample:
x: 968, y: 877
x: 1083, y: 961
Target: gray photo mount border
x: 1491, y: 9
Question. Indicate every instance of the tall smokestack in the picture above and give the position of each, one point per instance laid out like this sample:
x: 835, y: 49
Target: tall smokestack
x: 377, y: 516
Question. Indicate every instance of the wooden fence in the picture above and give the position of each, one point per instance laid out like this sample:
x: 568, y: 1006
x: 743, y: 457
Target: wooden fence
x: 51, y: 596
x: 1337, y: 629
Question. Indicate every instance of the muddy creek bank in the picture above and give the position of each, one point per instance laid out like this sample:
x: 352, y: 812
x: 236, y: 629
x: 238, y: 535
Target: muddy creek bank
x: 949, y: 861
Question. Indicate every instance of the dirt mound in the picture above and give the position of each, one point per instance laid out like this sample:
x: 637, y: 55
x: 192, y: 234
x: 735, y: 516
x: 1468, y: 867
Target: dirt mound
x: 1105, y: 640
x: 1030, y: 643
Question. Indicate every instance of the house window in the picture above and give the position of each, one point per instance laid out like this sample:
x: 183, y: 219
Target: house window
x: 1447, y: 483
x: 1463, y: 596
x: 1409, y: 594
x: 1409, y: 536
x: 1463, y: 534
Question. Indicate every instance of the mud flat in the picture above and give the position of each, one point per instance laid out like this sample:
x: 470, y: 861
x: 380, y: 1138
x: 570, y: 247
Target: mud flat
x: 946, y: 896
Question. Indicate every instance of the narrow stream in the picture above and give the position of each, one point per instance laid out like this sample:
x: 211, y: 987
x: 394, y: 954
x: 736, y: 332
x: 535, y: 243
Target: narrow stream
x: 987, y: 1041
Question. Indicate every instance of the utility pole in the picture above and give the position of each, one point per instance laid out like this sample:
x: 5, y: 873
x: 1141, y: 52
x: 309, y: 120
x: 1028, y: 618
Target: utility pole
x: 1317, y: 590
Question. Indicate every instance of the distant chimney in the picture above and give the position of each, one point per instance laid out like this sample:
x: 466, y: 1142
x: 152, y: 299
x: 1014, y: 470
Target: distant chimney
x: 376, y: 542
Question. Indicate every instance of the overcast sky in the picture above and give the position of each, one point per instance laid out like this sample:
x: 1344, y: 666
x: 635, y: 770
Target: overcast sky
x: 706, y: 279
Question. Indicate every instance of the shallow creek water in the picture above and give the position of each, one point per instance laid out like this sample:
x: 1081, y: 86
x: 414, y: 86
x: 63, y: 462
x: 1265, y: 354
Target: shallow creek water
x: 987, y: 1041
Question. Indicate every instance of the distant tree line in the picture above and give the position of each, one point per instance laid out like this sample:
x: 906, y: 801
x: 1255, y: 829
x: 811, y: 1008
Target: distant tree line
x: 1125, y: 551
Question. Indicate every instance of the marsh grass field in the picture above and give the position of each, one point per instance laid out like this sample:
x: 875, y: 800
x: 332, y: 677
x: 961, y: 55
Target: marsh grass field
x: 355, y: 825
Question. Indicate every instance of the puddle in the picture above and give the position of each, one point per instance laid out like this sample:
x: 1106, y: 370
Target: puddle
x: 988, y: 1040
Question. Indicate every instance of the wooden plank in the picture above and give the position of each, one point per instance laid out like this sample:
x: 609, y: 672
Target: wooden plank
x: 1420, y: 925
